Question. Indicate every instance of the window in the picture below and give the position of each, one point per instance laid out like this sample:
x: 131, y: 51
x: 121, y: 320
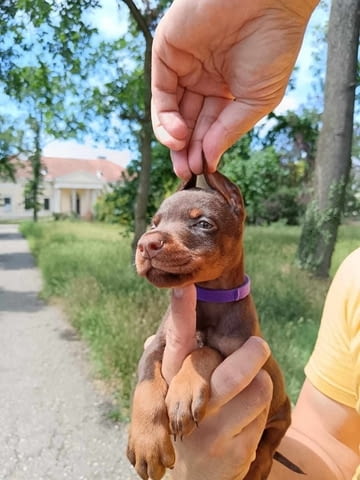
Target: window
x: 28, y: 202
x: 46, y: 203
x: 7, y: 204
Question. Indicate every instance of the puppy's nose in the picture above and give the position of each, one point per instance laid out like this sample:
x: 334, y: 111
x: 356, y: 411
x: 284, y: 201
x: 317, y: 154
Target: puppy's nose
x: 150, y: 245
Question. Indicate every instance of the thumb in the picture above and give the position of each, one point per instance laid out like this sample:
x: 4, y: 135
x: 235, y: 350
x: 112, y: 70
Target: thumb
x: 180, y: 330
x: 233, y: 121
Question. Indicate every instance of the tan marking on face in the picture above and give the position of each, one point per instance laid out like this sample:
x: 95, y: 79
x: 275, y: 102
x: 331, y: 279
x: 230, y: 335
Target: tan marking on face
x: 195, y: 213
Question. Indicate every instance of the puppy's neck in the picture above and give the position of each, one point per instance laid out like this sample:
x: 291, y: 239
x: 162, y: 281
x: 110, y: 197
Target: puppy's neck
x: 231, y: 278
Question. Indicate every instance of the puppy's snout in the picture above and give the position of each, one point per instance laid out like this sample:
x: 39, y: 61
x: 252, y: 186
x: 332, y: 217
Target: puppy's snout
x: 150, y: 245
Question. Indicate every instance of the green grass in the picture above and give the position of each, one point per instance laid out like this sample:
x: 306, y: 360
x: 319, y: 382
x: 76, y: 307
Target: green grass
x: 89, y: 268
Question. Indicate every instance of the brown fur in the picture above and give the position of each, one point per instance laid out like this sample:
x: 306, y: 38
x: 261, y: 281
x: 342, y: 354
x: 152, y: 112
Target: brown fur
x: 197, y: 237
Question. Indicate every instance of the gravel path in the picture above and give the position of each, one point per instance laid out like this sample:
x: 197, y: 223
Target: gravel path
x: 53, y: 419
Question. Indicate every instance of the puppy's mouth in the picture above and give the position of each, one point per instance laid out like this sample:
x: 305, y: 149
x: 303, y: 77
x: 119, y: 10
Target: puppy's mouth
x: 165, y: 273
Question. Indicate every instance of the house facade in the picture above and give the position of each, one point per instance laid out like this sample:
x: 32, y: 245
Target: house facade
x: 70, y: 187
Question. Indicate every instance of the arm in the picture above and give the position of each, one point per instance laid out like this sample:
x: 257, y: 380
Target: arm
x: 325, y: 419
x: 322, y: 440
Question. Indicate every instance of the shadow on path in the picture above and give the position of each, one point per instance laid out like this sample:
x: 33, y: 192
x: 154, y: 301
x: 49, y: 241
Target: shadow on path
x: 16, y: 261
x: 10, y: 236
x: 28, y: 302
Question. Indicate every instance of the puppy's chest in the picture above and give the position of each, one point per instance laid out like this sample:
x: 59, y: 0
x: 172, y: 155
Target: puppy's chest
x: 223, y: 331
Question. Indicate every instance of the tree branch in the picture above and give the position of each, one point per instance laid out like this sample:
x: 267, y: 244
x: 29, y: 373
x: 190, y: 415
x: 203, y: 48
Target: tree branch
x: 139, y: 19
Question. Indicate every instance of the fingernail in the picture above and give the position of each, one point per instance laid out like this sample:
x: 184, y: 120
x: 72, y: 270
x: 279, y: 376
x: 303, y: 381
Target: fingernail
x: 178, y: 292
x: 263, y: 343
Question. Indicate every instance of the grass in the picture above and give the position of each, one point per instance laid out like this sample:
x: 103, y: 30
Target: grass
x: 88, y: 268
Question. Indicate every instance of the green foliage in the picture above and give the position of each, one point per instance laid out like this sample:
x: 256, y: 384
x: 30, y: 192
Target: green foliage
x: 318, y: 230
x: 88, y: 267
x: 44, y: 46
x: 352, y: 195
x: 11, y: 144
x: 294, y: 136
x: 266, y: 184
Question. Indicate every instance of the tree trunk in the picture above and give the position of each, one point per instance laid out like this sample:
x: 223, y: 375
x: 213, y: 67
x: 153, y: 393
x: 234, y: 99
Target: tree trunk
x: 36, y: 169
x: 145, y: 149
x: 333, y: 158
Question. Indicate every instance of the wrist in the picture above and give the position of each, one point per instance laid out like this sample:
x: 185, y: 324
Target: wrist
x: 302, y: 8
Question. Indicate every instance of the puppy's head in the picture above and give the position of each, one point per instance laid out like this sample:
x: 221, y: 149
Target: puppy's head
x: 195, y: 235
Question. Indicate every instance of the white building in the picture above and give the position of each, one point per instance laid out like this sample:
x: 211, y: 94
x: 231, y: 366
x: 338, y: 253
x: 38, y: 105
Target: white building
x: 70, y: 186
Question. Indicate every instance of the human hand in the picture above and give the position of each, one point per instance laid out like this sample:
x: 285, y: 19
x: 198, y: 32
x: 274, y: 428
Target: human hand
x: 224, y: 444
x: 217, y: 68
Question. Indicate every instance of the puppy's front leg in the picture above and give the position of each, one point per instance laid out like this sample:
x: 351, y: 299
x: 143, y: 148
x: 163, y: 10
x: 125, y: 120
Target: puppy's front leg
x: 189, y: 390
x: 150, y: 448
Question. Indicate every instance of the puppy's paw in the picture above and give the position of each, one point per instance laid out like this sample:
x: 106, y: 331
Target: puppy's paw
x: 189, y: 391
x: 186, y: 404
x: 150, y: 450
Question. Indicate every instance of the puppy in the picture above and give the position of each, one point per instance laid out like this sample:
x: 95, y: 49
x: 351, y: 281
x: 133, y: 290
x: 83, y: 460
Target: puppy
x: 196, y: 237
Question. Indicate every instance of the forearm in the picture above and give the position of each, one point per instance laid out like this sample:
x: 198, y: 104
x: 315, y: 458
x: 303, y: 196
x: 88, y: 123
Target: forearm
x: 323, y: 457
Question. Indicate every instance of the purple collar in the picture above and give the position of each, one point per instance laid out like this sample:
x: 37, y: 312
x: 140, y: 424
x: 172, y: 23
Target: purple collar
x: 224, y: 296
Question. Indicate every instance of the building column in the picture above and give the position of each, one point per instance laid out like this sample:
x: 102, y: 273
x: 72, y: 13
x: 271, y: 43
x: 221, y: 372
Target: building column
x: 56, y: 207
x: 73, y: 201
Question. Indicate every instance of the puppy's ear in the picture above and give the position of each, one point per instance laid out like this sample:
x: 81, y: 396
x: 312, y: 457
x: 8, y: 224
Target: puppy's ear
x: 231, y: 192
x: 186, y: 184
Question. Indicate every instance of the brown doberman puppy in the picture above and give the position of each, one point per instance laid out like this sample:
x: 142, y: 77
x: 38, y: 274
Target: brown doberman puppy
x: 197, y: 238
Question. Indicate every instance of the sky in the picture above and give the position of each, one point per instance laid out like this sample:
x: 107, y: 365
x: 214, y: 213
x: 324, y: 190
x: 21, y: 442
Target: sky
x: 111, y: 23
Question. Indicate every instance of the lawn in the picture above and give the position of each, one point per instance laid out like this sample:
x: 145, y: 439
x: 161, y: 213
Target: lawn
x: 89, y: 269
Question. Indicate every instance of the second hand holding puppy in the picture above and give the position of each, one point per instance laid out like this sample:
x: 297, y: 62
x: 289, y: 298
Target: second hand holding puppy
x: 240, y: 397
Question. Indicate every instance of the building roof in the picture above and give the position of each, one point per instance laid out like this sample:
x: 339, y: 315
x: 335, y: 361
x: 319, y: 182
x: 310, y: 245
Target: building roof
x: 58, y: 167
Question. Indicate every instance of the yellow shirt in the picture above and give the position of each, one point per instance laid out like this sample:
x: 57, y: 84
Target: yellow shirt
x: 334, y: 367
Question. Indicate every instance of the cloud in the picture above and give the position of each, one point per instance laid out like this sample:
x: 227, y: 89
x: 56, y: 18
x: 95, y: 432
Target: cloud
x: 110, y: 19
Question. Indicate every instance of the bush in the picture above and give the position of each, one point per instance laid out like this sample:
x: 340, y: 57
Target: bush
x: 268, y: 186
x: 284, y: 205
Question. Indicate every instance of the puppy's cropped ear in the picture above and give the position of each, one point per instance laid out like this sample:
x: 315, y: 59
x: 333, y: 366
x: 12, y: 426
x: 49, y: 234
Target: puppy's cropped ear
x: 186, y: 184
x: 227, y: 189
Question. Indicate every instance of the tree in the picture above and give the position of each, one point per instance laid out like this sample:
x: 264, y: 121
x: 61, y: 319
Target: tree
x: 43, y: 78
x: 294, y: 136
x: 33, y: 187
x: 145, y: 19
x: 42, y: 50
x: 333, y: 157
x: 11, y: 141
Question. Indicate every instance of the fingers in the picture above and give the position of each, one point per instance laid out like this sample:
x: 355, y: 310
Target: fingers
x: 253, y: 401
x: 190, y: 106
x: 220, y: 123
x: 233, y: 121
x: 233, y: 433
x: 169, y: 124
x: 237, y: 371
x: 169, y: 128
x: 180, y: 330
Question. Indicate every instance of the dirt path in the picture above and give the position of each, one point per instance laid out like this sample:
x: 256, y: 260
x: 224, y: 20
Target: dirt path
x: 53, y: 421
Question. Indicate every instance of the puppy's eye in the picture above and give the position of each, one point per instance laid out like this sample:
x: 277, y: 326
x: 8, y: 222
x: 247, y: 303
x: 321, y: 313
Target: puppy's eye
x: 204, y: 225
x: 154, y: 222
